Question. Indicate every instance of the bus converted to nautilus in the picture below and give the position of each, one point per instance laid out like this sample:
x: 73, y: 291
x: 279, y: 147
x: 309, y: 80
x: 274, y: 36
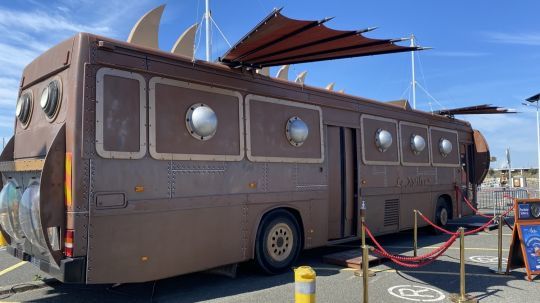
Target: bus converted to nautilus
x: 132, y: 164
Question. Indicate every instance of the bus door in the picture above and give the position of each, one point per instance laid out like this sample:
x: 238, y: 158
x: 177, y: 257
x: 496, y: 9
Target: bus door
x: 342, y: 181
x: 466, y: 158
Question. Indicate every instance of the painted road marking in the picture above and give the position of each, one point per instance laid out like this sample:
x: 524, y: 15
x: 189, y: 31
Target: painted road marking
x: 416, y: 293
x: 487, y: 259
x: 5, y: 271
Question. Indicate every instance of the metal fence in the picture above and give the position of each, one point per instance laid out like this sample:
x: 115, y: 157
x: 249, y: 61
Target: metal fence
x: 499, y: 199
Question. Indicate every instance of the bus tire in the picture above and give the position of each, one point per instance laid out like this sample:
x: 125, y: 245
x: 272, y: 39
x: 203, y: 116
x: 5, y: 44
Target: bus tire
x: 442, y: 214
x: 278, y: 242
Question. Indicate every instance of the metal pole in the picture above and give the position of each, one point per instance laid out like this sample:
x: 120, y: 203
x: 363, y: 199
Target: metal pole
x: 365, y: 273
x: 414, y: 76
x: 461, y: 263
x: 207, y: 25
x: 415, y: 233
x: 462, y: 296
x: 538, y: 142
x: 509, y: 167
x: 499, y: 256
x: 500, y: 270
x: 364, y: 247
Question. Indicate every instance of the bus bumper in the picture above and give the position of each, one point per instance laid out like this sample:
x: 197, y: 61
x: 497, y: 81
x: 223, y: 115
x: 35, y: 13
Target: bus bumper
x: 72, y: 270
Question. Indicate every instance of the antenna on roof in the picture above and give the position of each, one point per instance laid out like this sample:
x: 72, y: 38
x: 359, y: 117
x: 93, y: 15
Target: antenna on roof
x: 207, y: 28
x: 413, y: 44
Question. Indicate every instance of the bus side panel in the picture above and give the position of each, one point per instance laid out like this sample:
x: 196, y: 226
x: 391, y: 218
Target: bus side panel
x: 153, y: 245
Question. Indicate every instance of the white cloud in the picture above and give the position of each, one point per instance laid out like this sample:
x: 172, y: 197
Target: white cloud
x: 530, y: 38
x: 514, y: 131
x: 25, y: 34
x: 459, y: 54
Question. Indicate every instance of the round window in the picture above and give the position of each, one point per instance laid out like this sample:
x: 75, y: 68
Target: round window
x: 296, y: 131
x: 445, y: 147
x: 201, y: 121
x: 23, y: 110
x: 50, y: 99
x: 383, y: 139
x: 418, y: 143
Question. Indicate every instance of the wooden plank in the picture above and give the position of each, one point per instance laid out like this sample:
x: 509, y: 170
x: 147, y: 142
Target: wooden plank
x: 351, y: 258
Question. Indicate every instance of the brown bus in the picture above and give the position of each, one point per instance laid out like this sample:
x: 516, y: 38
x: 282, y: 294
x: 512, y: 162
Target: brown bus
x: 130, y: 164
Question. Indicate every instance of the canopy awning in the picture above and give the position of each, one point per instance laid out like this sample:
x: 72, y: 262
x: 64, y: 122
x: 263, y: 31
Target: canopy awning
x: 279, y: 40
x: 483, y: 109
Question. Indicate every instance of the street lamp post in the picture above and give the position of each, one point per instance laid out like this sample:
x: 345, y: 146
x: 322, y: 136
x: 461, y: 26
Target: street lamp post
x: 536, y: 99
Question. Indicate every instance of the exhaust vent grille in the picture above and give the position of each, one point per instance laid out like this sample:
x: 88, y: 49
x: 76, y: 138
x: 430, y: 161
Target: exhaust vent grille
x: 391, y: 212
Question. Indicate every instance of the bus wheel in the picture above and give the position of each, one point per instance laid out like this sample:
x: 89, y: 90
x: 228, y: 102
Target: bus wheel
x: 442, y: 214
x: 278, y: 242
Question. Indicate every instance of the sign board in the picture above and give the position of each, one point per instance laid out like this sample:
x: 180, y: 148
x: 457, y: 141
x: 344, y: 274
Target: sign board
x: 525, y: 246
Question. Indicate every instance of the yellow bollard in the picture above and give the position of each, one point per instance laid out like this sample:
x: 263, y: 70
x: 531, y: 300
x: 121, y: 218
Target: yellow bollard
x: 304, y: 284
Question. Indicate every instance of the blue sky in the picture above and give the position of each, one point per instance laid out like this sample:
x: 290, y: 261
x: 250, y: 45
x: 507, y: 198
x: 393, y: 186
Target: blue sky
x: 483, y: 51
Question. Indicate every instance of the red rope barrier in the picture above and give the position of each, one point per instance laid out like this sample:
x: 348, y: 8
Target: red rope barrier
x: 435, y: 225
x: 429, y: 257
x: 470, y: 232
x: 476, y: 211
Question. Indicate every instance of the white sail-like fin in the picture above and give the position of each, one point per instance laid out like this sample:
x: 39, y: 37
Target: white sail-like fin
x: 265, y: 71
x: 341, y: 91
x: 300, y: 79
x: 283, y: 72
x: 145, y: 32
x: 184, y: 46
x: 330, y: 86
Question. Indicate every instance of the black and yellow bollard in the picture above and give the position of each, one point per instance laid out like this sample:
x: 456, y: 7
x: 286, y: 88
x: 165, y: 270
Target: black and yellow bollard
x: 304, y: 284
x: 462, y: 297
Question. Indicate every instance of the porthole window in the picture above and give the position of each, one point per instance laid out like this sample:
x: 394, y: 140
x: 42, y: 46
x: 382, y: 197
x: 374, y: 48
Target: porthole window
x: 201, y: 121
x: 383, y: 139
x: 445, y: 147
x: 23, y: 110
x: 50, y: 99
x: 296, y: 131
x: 418, y: 144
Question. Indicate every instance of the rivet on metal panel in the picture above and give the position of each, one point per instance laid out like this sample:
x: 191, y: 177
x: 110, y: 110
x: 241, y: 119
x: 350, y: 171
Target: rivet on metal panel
x: 144, y: 258
x: 252, y: 185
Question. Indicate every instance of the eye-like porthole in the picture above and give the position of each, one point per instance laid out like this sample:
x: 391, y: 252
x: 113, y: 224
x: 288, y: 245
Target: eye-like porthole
x: 50, y: 99
x: 383, y: 139
x: 296, y: 131
x: 201, y: 121
x: 418, y: 144
x: 23, y: 110
x: 445, y: 147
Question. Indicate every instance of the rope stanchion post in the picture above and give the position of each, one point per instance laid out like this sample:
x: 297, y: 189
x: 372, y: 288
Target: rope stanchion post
x: 500, y: 270
x: 360, y: 272
x: 365, y: 272
x: 462, y: 297
x: 415, y: 233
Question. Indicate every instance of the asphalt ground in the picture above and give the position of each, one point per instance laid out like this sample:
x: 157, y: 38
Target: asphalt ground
x: 392, y: 283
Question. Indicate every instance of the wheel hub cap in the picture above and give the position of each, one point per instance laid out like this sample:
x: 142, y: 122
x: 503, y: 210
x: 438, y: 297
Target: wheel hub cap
x: 279, y: 242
